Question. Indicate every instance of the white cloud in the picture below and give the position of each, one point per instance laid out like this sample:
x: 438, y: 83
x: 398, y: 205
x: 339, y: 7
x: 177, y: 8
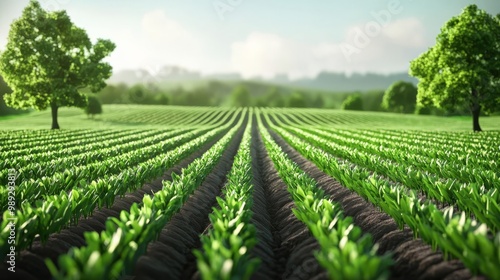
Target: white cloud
x: 406, y: 32
x: 158, y: 27
x: 388, y: 50
x: 157, y: 40
x: 267, y: 54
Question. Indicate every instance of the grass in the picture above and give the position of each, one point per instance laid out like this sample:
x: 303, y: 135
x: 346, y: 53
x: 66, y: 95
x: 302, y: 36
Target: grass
x: 74, y: 118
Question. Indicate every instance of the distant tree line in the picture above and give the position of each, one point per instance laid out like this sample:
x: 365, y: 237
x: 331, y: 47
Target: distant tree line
x: 214, y: 93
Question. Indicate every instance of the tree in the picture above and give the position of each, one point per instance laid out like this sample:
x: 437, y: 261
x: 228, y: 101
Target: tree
x: 93, y: 106
x: 137, y: 94
x: 400, y: 97
x: 297, y: 100
x: 162, y: 99
x: 48, y: 60
x: 274, y: 98
x: 240, y: 97
x: 463, y: 68
x: 353, y: 102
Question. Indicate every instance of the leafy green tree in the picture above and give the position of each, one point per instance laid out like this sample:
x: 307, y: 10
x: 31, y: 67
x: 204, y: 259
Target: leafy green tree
x: 240, y: 97
x: 48, y: 60
x: 162, y: 99
x: 137, y: 94
x: 297, y: 100
x: 93, y: 106
x: 400, y: 97
x: 463, y: 68
x: 353, y: 102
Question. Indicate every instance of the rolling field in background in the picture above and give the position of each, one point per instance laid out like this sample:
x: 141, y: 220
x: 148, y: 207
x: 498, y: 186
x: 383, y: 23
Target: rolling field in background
x: 163, y: 192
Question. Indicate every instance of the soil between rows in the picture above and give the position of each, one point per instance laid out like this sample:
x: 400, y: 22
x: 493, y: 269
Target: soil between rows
x: 413, y: 258
x: 293, y: 243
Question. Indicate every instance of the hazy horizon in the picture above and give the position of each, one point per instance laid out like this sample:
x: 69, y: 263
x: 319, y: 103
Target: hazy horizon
x: 257, y: 38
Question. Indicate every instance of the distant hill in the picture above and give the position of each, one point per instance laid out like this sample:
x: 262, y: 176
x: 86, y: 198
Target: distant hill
x: 325, y: 81
x: 340, y: 82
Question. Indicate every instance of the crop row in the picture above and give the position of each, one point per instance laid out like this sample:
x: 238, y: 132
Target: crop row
x: 113, y: 251
x: 484, y: 203
x: 454, y: 234
x: 226, y: 247
x: 345, y: 252
x: 58, y: 211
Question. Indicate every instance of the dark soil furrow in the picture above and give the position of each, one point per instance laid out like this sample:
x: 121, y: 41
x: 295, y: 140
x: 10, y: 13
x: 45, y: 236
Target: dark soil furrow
x: 171, y: 257
x: 261, y: 218
x: 414, y: 259
x: 31, y: 261
x: 293, y: 243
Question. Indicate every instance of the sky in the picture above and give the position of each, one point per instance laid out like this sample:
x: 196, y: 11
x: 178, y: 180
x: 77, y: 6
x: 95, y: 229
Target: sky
x: 259, y: 38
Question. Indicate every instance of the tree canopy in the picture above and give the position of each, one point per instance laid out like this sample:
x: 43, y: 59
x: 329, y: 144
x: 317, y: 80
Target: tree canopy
x: 463, y: 67
x: 48, y: 60
x: 400, y: 97
x: 240, y: 97
x: 353, y: 102
x: 297, y: 100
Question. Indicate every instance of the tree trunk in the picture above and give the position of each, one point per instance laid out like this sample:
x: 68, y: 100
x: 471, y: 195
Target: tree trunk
x: 476, y: 111
x: 55, y: 124
x: 475, y: 119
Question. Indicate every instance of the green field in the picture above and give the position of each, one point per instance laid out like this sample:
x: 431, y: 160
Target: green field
x: 163, y: 192
x: 144, y: 116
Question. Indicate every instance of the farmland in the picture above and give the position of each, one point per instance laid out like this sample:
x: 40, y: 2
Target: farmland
x: 164, y: 192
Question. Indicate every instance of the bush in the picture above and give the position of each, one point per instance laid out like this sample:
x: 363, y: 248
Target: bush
x: 93, y: 106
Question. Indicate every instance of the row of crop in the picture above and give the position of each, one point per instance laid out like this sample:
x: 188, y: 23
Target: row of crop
x: 168, y: 115
x: 73, y: 177
x: 469, y: 147
x: 345, y: 252
x: 454, y: 234
x: 459, y: 140
x: 226, y: 247
x: 443, y: 152
x: 213, y: 118
x: 338, y: 118
x: 483, y: 203
x: 52, y: 150
x: 115, y: 250
x: 59, y: 142
x: 467, y: 173
x: 465, y: 161
x: 191, y: 116
x: 10, y: 137
x: 55, y: 160
x: 432, y: 148
x: 58, y: 211
x: 419, y: 173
